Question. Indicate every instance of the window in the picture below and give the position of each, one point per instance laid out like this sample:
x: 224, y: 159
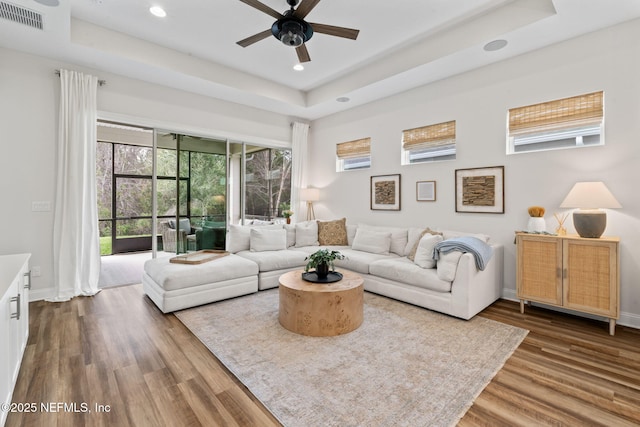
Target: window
x: 564, y: 123
x: 429, y: 143
x: 267, y: 183
x: 353, y: 155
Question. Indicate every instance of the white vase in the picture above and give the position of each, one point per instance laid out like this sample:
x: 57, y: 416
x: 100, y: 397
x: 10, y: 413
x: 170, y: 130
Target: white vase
x: 536, y: 224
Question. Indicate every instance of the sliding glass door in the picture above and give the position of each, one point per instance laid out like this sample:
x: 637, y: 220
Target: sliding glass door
x: 191, y: 186
x: 191, y: 205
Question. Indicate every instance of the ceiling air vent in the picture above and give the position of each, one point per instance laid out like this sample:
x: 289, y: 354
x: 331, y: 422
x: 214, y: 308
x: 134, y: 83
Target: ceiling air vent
x: 20, y: 15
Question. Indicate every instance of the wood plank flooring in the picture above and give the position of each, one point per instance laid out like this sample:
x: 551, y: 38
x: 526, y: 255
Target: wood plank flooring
x: 146, y: 369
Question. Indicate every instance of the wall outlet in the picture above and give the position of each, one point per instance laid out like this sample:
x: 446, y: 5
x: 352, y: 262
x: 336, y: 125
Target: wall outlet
x: 41, y: 206
x: 36, y: 271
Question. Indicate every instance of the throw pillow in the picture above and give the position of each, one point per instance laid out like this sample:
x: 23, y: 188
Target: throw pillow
x: 291, y: 234
x: 412, y: 252
x: 375, y: 242
x: 240, y: 236
x: 267, y: 240
x: 307, y: 234
x: 399, y: 236
x: 424, y: 253
x: 448, y: 264
x: 183, y: 224
x: 333, y: 233
x: 351, y: 233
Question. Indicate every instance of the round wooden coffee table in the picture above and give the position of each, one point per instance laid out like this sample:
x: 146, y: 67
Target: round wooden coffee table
x: 319, y: 309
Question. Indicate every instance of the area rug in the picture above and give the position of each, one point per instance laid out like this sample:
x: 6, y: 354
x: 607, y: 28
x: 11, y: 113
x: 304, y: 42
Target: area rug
x: 405, y: 366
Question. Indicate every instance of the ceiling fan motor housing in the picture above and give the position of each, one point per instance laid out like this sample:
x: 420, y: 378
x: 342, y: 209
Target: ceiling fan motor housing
x: 291, y: 31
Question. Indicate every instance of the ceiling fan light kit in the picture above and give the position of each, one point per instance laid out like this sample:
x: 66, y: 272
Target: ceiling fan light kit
x: 291, y: 31
x: 291, y: 28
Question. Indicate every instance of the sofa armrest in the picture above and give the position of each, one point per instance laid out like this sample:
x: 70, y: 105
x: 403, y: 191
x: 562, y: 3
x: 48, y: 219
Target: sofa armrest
x: 473, y: 290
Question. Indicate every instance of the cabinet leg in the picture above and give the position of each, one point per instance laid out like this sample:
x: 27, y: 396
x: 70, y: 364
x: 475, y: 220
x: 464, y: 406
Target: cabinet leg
x: 521, y: 306
x: 612, y: 326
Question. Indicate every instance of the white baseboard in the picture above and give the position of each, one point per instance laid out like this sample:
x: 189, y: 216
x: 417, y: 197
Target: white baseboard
x: 626, y: 319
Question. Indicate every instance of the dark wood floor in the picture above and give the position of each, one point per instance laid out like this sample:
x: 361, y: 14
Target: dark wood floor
x: 146, y: 369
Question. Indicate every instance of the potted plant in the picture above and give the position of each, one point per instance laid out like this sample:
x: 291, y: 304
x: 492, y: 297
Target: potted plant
x: 536, y: 221
x: 286, y: 212
x: 322, y: 261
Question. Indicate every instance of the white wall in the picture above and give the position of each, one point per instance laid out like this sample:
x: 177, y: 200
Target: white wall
x: 608, y: 60
x: 29, y: 94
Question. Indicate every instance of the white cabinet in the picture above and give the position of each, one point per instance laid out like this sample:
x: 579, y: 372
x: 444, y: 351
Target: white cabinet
x: 14, y: 321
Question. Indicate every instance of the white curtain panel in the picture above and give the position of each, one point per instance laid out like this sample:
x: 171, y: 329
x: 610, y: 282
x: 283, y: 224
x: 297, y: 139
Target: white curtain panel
x: 299, y: 154
x: 76, y: 247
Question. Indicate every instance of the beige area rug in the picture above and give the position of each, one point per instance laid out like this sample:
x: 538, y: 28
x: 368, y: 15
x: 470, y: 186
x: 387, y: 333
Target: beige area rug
x: 405, y: 366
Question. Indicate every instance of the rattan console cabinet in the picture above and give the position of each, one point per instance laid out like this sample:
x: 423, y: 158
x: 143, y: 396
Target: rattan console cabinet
x: 570, y: 272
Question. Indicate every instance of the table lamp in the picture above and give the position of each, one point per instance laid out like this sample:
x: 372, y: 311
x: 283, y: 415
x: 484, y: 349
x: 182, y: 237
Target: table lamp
x: 589, y: 198
x: 310, y: 195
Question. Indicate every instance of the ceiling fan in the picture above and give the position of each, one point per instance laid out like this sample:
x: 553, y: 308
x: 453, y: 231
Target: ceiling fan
x: 291, y: 28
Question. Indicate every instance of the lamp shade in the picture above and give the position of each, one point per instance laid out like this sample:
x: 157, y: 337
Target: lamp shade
x: 590, y: 195
x: 310, y: 194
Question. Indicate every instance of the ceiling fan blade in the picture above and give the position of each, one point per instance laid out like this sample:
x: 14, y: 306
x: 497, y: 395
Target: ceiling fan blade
x: 254, y: 38
x: 305, y: 7
x: 347, y: 33
x: 303, y: 53
x: 263, y: 8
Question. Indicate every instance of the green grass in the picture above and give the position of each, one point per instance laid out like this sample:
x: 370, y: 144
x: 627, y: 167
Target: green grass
x: 105, y: 245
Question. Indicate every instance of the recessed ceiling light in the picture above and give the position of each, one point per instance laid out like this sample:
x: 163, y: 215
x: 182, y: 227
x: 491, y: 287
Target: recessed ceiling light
x: 343, y: 99
x: 495, y: 45
x: 49, y: 2
x: 157, y: 11
x: 298, y: 67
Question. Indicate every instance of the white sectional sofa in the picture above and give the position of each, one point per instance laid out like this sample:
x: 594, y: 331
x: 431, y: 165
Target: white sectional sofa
x: 393, y: 261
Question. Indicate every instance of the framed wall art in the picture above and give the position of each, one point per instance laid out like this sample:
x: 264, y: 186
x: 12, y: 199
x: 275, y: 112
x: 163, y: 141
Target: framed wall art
x: 385, y: 192
x: 480, y: 190
x: 426, y: 191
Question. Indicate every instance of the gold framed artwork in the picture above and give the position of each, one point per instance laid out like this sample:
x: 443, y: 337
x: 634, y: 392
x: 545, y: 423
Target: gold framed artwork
x: 480, y: 190
x: 385, y: 192
x: 426, y: 191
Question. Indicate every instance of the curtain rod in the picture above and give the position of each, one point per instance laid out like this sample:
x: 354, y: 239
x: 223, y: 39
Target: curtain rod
x: 100, y: 82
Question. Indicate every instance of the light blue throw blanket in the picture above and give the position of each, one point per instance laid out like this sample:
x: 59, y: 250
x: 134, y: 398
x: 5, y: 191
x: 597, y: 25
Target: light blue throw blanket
x: 481, y: 251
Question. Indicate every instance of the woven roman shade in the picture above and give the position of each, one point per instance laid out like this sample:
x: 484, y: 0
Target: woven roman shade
x: 354, y: 149
x: 577, y: 111
x: 431, y: 136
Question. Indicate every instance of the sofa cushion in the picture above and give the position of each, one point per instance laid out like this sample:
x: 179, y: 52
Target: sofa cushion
x: 359, y: 261
x: 333, y: 233
x: 447, y: 265
x: 399, y: 237
x: 240, y: 236
x: 375, y: 242
x: 275, y: 260
x: 171, y: 276
x: 307, y: 234
x: 267, y: 240
x: 401, y: 269
x: 424, y: 253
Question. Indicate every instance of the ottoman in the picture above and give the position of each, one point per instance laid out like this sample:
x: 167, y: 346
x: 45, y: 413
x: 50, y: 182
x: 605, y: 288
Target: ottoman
x: 177, y: 286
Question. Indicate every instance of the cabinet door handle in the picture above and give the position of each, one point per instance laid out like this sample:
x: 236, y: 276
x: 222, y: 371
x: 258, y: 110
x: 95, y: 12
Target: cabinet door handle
x: 16, y: 315
x: 28, y: 276
x: 559, y: 272
x: 564, y: 273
